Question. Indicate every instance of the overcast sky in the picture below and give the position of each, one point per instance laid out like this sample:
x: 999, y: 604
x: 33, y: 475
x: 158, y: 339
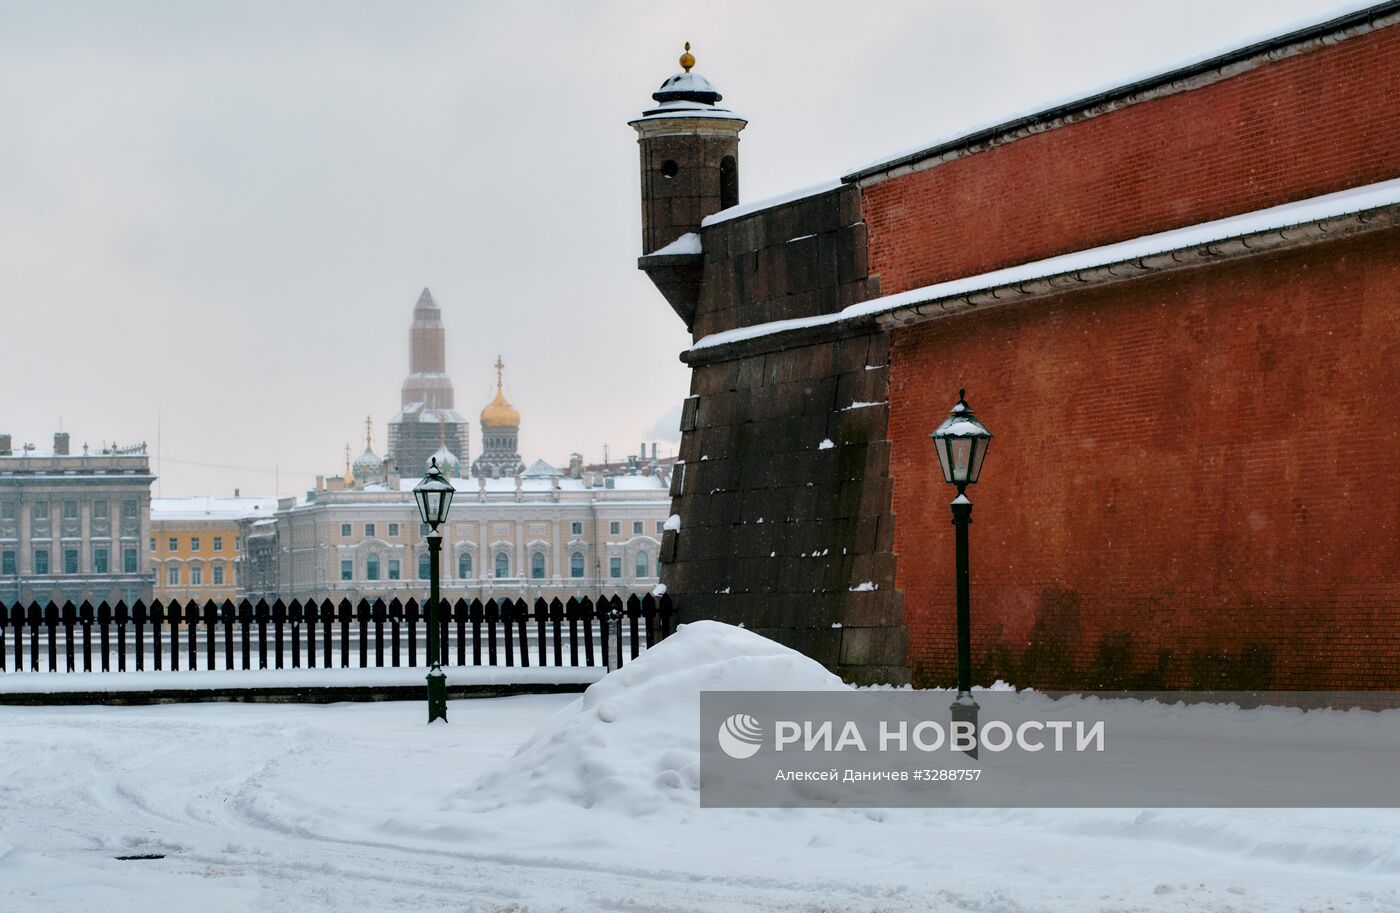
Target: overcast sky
x: 215, y: 218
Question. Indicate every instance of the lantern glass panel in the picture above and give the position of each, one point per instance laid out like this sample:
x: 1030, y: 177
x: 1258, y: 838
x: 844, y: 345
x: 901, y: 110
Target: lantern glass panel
x: 422, y: 498
x: 978, y: 457
x: 961, y: 458
x: 940, y: 445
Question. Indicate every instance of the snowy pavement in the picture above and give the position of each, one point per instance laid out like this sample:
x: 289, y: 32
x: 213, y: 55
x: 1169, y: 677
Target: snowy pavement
x: 556, y: 802
x: 359, y: 807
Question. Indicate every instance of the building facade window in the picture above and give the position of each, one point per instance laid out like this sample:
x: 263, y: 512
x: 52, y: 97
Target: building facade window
x: 218, y: 543
x: 464, y: 565
x: 41, y: 561
x: 576, y: 528
x: 394, y: 569
x: 369, y: 530
x: 502, y: 564
x: 196, y: 575
x: 172, y: 544
x: 70, y: 561
x: 576, y: 564
x: 153, y: 543
x: 129, y: 561
x: 643, y: 564
x: 393, y: 530
x: 537, y: 566
x: 637, y: 527
x: 660, y: 527
x: 70, y: 510
x: 101, y: 563
x: 7, y: 563
x: 39, y: 511
x: 347, y: 569
x: 218, y: 574
x: 172, y: 575
x: 99, y: 510
x: 194, y: 543
x: 372, y: 567
x: 131, y: 510
x: 345, y: 530
x: 423, y: 566
x: 614, y: 528
x: 7, y: 510
x: 615, y: 567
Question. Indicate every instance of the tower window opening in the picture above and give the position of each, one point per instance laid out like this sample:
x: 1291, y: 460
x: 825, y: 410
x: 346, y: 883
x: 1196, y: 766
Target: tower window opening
x: 728, y: 182
x: 669, y: 169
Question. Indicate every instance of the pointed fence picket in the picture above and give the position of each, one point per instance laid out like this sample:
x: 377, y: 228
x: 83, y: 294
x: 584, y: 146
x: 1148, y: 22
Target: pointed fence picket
x: 190, y: 636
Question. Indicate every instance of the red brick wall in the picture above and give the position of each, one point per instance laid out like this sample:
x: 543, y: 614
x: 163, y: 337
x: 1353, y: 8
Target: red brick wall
x: 1305, y: 125
x: 1194, y: 481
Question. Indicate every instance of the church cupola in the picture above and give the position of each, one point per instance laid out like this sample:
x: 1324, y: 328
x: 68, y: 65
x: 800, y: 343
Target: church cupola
x: 500, y: 434
x: 368, y: 467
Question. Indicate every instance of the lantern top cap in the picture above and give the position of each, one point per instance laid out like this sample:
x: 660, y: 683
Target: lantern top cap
x: 961, y: 423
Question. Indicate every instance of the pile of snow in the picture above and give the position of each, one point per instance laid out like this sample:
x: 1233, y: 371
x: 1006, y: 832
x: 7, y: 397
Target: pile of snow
x: 630, y: 743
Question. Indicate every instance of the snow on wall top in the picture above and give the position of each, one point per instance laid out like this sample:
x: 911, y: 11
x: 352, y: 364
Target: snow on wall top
x: 1358, y: 199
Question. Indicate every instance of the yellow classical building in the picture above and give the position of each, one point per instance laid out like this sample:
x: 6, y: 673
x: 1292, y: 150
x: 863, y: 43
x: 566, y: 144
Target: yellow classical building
x: 196, y: 547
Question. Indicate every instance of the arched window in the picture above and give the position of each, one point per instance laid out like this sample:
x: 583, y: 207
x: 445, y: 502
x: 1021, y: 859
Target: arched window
x: 728, y: 182
x: 576, y: 564
x: 502, y: 564
x: 464, y: 565
x: 537, y: 566
x: 423, y: 566
x: 643, y: 565
x: 372, y: 567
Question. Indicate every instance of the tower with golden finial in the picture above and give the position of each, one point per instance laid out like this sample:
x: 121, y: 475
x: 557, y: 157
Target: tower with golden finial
x: 690, y: 169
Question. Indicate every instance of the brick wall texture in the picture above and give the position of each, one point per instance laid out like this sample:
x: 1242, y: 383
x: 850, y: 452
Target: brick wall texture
x: 1300, y: 126
x: 1194, y: 477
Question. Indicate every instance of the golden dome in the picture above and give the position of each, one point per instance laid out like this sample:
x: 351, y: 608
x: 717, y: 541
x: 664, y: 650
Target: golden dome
x: 500, y: 413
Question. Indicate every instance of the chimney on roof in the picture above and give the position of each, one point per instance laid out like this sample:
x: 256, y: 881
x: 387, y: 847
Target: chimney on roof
x: 235, y: 492
x: 60, y: 443
x: 653, y: 450
x: 6, y: 446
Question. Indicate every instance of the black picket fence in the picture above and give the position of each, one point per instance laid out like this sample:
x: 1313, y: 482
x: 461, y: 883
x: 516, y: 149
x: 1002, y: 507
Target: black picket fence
x: 261, y: 635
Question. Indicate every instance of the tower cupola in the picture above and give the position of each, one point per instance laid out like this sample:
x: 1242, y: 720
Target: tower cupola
x: 690, y: 170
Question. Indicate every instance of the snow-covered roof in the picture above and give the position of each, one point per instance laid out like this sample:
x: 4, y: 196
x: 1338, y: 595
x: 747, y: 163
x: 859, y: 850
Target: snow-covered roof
x: 1358, y: 199
x: 542, y: 470
x: 418, y: 412
x: 211, y: 508
x: 688, y: 243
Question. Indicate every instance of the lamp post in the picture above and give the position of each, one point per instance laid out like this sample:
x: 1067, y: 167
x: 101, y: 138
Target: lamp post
x: 961, y: 442
x: 434, y: 497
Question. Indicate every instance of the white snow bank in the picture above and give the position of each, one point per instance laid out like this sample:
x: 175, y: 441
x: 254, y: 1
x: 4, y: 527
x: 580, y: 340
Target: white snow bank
x: 673, y: 523
x: 630, y: 743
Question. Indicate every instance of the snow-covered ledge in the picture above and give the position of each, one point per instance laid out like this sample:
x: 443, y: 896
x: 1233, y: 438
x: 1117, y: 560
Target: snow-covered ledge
x: 1361, y: 209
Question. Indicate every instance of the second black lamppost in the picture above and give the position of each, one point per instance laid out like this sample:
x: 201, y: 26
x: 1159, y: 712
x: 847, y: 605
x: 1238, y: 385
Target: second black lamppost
x: 434, y: 497
x: 961, y: 442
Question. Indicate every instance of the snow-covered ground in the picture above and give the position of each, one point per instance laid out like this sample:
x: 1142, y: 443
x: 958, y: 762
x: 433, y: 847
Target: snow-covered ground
x: 363, y: 807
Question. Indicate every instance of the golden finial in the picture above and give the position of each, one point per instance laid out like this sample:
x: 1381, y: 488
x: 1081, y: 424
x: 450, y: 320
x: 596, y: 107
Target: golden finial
x: 347, y: 459
x: 687, y: 59
x: 500, y: 367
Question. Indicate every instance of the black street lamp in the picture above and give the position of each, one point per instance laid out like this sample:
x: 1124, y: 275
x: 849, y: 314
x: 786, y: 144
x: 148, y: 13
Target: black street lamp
x: 434, y: 497
x: 961, y: 442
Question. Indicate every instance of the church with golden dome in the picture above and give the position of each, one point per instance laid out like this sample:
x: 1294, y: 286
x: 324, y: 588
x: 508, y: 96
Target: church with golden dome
x: 500, y: 435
